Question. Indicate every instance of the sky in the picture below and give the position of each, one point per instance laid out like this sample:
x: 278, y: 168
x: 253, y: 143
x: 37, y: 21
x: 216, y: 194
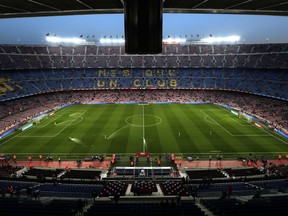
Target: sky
x: 251, y: 29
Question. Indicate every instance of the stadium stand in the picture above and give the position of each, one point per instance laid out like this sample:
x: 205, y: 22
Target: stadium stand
x: 174, y: 188
x: 267, y: 82
x: 143, y: 188
x: 113, y: 188
x: 8, y: 170
x: 68, y: 190
x: 280, y: 185
x: 233, y: 55
x: 236, y: 188
x: 38, y: 79
x: 17, y: 186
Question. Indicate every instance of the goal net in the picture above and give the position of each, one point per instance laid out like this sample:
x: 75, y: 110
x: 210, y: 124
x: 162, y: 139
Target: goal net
x: 245, y: 116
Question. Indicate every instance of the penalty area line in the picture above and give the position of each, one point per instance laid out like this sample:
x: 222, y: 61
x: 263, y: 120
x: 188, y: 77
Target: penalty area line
x: 244, y: 125
x: 80, y: 116
x: 271, y: 135
x: 217, y: 123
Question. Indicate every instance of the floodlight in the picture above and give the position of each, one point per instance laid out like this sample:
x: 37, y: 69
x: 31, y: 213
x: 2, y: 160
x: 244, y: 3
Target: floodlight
x: 55, y: 39
x: 229, y: 39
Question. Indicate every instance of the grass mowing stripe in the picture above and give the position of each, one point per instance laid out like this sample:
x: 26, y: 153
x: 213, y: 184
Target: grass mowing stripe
x: 236, y: 129
x: 58, y: 132
x: 177, y: 126
x: 255, y: 142
x: 213, y: 120
x: 152, y: 133
x: 135, y: 131
x: 212, y: 134
x: 277, y: 136
x: 143, y: 129
x: 239, y: 144
x: 272, y: 135
x: 167, y: 140
x: 105, y: 121
x: 120, y: 141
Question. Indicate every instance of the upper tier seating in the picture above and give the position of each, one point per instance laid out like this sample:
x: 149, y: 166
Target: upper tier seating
x: 184, y: 56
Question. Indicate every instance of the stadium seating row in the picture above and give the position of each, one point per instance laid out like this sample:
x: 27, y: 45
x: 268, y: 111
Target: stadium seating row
x: 17, y: 84
x: 183, y: 56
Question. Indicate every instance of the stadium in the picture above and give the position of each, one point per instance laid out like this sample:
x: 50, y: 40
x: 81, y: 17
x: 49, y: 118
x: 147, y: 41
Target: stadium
x: 90, y: 129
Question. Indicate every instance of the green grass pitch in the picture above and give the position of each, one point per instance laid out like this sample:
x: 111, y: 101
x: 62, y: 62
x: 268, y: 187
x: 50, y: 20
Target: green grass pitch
x: 157, y: 128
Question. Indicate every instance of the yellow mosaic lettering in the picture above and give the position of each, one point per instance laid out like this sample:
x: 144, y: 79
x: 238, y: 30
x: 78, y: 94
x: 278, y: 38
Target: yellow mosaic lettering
x: 149, y: 73
x: 113, y: 73
x: 137, y: 83
x: 147, y: 83
x: 160, y: 73
x: 171, y: 72
x: 102, y: 73
x: 113, y: 83
x: 126, y: 73
x: 100, y: 83
x: 161, y: 83
x: 173, y: 83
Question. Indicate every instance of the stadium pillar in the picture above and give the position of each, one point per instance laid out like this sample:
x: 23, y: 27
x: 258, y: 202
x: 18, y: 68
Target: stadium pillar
x: 143, y: 26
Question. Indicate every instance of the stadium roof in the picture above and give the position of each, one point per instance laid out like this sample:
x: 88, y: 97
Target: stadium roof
x: 32, y: 8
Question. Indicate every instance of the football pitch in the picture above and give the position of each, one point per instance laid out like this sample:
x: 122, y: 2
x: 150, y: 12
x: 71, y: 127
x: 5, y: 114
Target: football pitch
x: 184, y: 129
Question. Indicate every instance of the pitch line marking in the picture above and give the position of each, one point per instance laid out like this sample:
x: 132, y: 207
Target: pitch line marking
x: 39, y: 137
x: 217, y: 123
x: 205, y: 118
x: 81, y: 119
x: 13, y: 137
x: 58, y: 116
x: 150, y: 125
x: 61, y: 129
x: 236, y: 135
x: 117, y: 131
x: 271, y: 135
x: 18, y: 135
x: 246, y: 125
x: 143, y: 138
x: 41, y: 126
x: 143, y: 120
x: 134, y: 125
x: 262, y: 129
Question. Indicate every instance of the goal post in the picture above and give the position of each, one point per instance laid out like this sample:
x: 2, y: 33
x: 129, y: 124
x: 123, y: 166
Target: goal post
x: 248, y: 118
x: 39, y: 118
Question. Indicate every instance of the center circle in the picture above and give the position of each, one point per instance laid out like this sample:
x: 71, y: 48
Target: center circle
x: 137, y: 120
